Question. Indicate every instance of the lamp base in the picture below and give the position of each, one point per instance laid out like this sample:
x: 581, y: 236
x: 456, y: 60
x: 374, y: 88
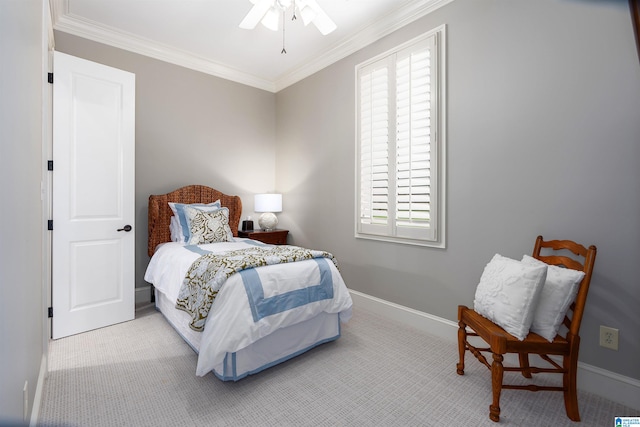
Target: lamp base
x: 268, y: 221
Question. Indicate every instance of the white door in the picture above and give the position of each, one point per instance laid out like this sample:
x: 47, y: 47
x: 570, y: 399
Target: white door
x: 93, y: 195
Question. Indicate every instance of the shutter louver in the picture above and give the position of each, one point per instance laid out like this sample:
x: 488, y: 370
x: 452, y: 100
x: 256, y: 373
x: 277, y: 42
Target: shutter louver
x: 413, y: 140
x: 374, y: 142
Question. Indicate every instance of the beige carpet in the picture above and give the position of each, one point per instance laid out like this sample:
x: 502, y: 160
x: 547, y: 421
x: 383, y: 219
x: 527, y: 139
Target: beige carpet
x: 141, y: 373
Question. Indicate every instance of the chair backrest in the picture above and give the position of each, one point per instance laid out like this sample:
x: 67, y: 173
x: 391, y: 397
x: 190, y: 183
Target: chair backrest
x: 557, y: 255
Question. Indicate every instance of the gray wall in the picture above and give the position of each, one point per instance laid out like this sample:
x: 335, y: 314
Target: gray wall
x: 21, y: 226
x: 191, y: 128
x: 543, y: 138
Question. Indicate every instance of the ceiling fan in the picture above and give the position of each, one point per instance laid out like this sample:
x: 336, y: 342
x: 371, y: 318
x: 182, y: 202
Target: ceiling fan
x: 268, y: 12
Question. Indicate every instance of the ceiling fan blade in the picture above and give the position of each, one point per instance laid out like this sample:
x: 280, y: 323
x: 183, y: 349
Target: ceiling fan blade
x: 271, y: 19
x: 321, y: 20
x: 256, y: 13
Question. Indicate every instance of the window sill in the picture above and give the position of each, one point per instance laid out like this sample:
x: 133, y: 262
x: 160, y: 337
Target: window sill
x: 402, y: 241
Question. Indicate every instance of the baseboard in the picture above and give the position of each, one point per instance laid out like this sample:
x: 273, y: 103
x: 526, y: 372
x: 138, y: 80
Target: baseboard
x: 425, y: 322
x: 37, y: 398
x: 607, y: 384
x: 610, y: 385
x: 143, y: 294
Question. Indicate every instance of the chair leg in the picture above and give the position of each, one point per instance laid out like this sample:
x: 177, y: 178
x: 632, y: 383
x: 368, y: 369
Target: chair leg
x: 462, y: 347
x: 524, y: 364
x: 570, y: 365
x: 497, y: 372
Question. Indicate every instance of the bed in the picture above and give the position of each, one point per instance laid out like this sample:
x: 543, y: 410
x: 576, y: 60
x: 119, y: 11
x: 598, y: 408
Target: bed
x: 260, y: 316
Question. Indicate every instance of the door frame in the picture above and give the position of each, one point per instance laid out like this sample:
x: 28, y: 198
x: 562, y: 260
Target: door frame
x: 46, y: 187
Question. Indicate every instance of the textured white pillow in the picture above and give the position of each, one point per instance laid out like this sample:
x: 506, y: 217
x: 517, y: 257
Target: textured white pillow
x: 508, y: 293
x: 180, y: 230
x: 558, y: 292
x: 208, y: 227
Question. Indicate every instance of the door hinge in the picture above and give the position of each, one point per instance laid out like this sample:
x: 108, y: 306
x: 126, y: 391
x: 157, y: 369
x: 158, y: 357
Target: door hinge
x: 50, y: 78
x: 50, y: 224
x: 49, y: 165
x: 50, y: 312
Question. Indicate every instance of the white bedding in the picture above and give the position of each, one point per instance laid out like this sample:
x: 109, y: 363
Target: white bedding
x: 230, y: 326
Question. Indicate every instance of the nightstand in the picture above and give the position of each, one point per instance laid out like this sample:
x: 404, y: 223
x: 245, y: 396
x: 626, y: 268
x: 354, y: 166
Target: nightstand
x: 274, y: 237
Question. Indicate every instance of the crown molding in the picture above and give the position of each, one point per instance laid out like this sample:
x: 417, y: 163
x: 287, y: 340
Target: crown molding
x: 91, y: 30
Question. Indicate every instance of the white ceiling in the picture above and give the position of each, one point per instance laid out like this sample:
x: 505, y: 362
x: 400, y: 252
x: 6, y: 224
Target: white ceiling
x: 204, y: 34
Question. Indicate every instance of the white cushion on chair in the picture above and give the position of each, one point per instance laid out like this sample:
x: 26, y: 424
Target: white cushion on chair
x: 559, y: 291
x: 508, y: 293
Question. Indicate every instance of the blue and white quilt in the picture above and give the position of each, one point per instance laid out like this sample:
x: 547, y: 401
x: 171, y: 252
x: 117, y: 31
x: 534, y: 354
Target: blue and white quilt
x: 255, y: 301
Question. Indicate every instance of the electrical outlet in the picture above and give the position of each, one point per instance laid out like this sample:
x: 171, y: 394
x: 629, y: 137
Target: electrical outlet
x: 608, y: 337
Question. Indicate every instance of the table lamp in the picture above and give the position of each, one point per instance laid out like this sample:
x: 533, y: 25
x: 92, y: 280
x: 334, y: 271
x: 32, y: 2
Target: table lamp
x: 268, y: 204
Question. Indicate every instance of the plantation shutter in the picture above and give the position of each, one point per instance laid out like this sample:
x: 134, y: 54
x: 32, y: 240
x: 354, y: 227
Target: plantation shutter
x: 414, y: 142
x: 397, y: 144
x: 374, y: 147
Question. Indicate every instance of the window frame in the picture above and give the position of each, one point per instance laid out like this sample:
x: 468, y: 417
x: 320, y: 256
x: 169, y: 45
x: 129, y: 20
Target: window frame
x: 390, y: 232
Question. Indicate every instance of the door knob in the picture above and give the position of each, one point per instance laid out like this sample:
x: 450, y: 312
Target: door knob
x: 126, y: 228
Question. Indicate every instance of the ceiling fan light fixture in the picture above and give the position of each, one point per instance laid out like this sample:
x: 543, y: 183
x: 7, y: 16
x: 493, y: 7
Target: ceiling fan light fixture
x: 268, y: 12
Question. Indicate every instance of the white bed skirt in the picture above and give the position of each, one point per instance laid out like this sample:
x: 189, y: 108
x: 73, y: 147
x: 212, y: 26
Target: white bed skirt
x: 276, y: 348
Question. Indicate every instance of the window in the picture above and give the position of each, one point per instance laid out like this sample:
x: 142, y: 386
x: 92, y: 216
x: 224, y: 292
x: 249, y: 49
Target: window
x: 400, y: 144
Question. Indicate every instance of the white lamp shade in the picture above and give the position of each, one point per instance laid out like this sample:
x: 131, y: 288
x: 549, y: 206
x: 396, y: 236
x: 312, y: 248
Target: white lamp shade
x: 268, y: 203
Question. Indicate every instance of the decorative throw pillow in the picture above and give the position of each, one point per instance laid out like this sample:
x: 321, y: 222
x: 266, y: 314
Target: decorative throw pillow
x: 207, y: 227
x: 559, y: 291
x: 508, y: 293
x: 181, y: 232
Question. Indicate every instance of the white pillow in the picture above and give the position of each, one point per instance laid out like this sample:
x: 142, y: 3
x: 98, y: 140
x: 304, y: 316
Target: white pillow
x: 558, y: 292
x: 508, y: 293
x: 176, y: 230
x: 181, y: 227
x: 208, y: 227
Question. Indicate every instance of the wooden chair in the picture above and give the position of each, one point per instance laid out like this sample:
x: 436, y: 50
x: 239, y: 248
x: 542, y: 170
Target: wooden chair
x: 501, y: 342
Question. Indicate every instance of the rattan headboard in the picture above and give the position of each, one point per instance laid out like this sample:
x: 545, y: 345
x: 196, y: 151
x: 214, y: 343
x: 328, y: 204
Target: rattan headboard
x: 160, y: 213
